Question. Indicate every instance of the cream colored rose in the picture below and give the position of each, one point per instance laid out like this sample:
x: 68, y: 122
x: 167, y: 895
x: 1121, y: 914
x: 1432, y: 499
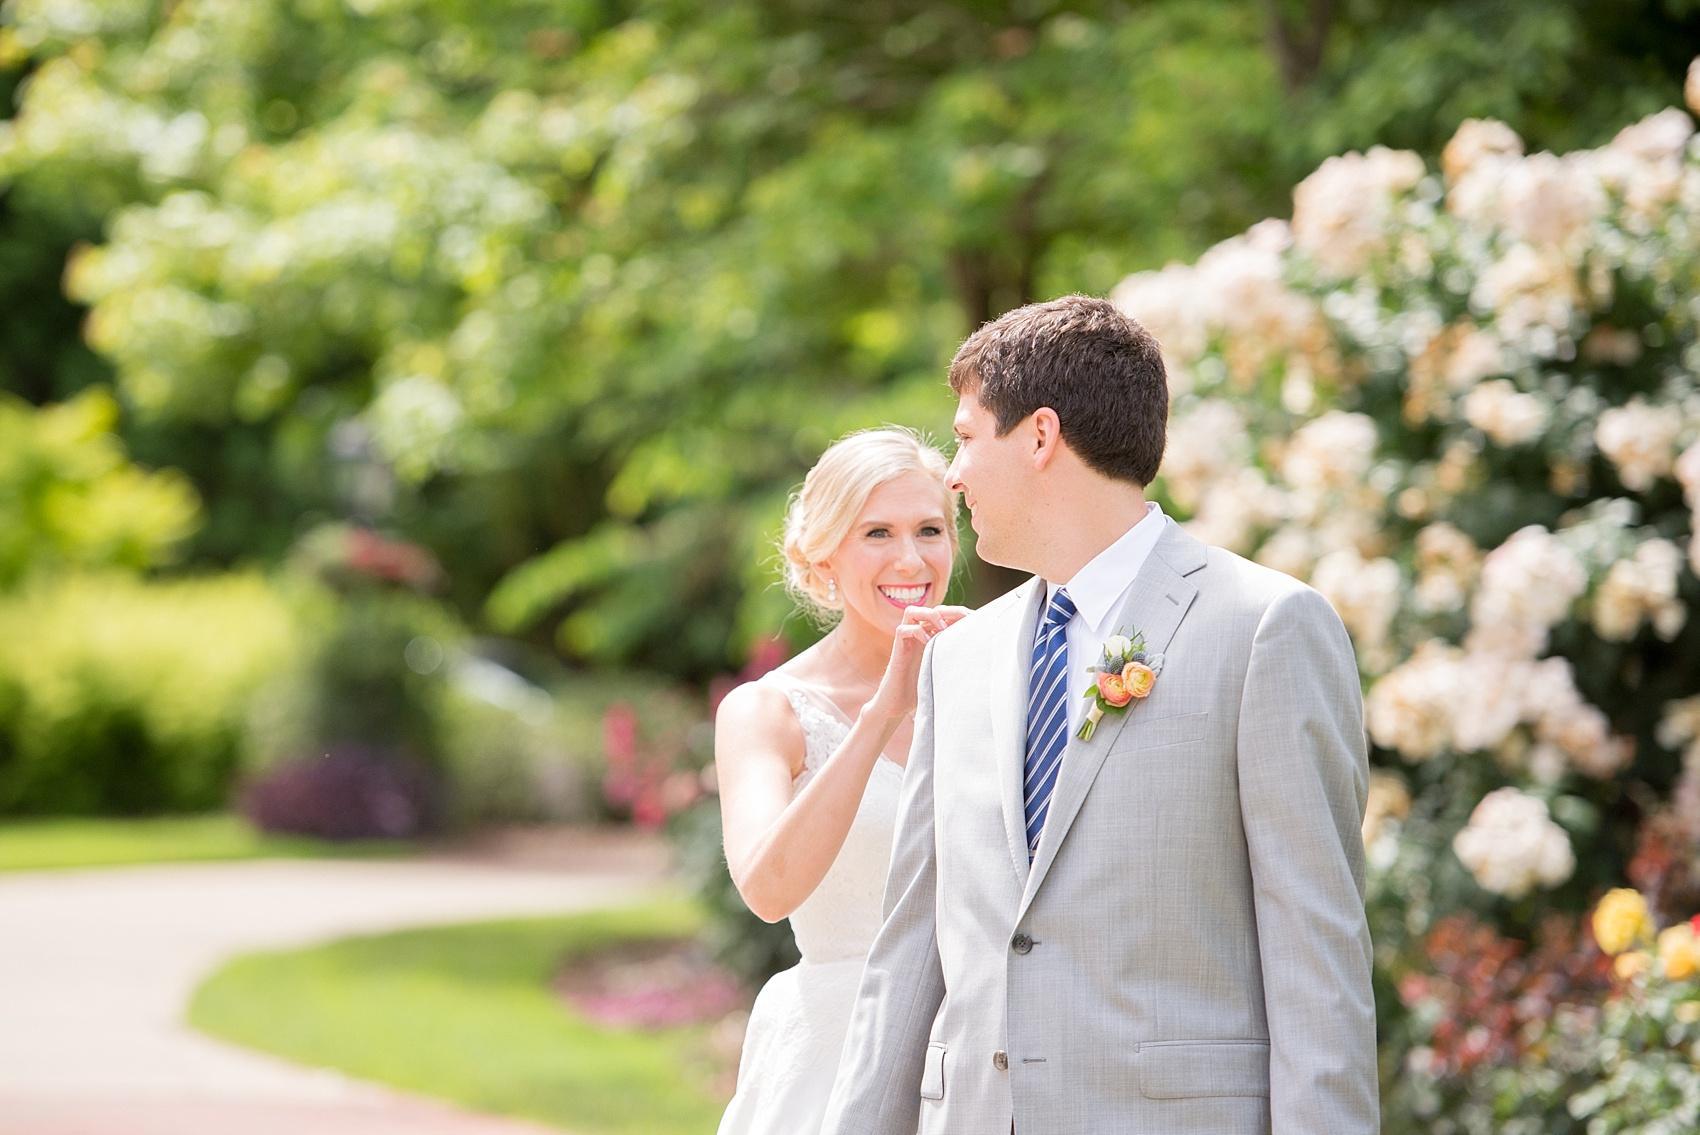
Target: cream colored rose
x: 1342, y: 213
x: 1475, y: 141
x: 1507, y: 415
x: 1638, y: 589
x: 1640, y: 440
x: 1511, y: 845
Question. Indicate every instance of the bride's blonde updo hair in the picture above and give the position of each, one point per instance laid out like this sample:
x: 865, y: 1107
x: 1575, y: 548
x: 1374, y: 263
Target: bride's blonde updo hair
x: 823, y: 510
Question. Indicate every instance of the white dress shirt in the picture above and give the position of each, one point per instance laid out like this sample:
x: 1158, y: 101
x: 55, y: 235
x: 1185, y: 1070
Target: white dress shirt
x: 1099, y: 590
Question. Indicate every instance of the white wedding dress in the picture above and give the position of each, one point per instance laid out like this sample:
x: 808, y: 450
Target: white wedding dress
x: 797, y: 1027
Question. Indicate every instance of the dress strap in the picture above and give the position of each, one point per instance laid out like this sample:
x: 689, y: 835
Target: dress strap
x: 801, y: 694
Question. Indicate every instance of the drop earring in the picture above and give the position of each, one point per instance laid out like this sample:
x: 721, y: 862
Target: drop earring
x: 832, y: 591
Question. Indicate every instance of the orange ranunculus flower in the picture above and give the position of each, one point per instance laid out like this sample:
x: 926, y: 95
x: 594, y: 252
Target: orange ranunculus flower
x: 1114, y: 690
x: 1138, y: 678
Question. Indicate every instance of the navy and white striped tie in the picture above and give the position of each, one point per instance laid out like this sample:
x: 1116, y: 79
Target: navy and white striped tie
x: 1047, y: 714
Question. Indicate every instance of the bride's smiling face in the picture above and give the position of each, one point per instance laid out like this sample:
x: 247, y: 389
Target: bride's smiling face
x: 897, y: 554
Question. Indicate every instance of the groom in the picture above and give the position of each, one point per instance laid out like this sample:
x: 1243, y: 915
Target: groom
x: 1158, y: 930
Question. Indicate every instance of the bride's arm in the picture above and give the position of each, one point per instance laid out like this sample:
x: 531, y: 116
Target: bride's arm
x: 777, y: 848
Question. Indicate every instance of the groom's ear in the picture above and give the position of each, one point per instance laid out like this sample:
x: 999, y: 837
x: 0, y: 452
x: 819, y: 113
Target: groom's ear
x: 1046, y: 437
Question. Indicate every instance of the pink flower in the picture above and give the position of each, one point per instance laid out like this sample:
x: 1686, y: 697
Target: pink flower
x: 1113, y: 688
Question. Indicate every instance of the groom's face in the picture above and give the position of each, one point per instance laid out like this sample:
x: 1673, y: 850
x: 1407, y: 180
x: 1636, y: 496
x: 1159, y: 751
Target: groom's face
x: 992, y: 474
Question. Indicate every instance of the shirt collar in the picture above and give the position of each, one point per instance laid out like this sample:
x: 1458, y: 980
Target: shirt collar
x: 1096, y: 587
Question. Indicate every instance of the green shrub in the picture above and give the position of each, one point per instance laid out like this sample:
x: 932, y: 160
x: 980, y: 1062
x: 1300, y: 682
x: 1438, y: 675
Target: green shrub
x: 371, y: 673
x: 70, y: 498
x: 119, y: 695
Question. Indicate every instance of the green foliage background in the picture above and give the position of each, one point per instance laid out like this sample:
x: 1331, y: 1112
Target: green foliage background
x: 571, y: 292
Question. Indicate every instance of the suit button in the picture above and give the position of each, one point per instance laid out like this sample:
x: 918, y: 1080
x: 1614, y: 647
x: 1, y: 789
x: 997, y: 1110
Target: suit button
x: 1000, y: 1061
x: 1021, y: 943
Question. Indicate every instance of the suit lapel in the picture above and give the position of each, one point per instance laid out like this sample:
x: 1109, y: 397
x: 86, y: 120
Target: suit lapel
x: 1013, y: 648
x: 1160, y: 598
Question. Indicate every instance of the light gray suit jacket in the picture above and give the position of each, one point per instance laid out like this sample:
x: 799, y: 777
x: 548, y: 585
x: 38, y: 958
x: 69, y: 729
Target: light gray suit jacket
x: 1188, y: 953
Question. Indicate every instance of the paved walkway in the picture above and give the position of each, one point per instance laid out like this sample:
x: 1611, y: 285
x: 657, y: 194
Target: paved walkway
x: 96, y: 968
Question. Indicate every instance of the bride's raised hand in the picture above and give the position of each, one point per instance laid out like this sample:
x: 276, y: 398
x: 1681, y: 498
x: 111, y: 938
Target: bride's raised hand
x: 895, y: 698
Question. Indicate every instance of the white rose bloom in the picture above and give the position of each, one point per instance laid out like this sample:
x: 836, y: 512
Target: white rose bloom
x: 1640, y: 588
x: 1527, y: 291
x: 1508, y: 416
x: 1169, y: 304
x: 1478, y: 355
x: 1410, y: 709
x: 1543, y: 200
x: 1485, y: 707
x: 1640, y: 440
x: 1586, y: 738
x: 1343, y: 211
x: 1331, y: 452
x: 1680, y: 723
x: 1241, y: 281
x: 1291, y: 550
x: 1563, y: 719
x: 1206, y: 443
x: 1527, y: 586
x: 1512, y: 846
x: 1661, y: 137
x: 1365, y: 594
x: 1235, y: 506
x: 1447, y: 563
x: 1478, y: 140
x: 1691, y: 88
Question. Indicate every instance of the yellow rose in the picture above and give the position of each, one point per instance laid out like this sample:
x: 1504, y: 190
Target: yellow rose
x: 1679, y: 950
x: 1621, y: 921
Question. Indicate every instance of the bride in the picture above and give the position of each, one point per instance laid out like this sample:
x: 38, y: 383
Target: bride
x: 810, y: 756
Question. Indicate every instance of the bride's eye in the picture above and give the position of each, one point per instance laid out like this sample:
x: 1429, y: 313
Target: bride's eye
x: 932, y: 530
x: 877, y: 532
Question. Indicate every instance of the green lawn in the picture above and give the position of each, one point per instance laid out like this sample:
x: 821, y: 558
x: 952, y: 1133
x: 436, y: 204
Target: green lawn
x: 464, y: 1013
x: 27, y: 845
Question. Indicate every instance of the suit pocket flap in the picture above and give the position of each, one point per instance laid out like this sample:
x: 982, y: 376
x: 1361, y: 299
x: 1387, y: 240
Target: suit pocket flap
x: 1184, y: 1068
x: 932, y: 1074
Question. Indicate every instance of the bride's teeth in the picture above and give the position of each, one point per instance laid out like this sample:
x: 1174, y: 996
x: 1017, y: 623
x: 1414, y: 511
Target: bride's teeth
x: 905, y: 594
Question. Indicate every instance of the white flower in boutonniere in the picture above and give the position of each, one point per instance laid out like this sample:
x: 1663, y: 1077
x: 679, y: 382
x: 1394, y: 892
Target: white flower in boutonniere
x: 1126, y: 673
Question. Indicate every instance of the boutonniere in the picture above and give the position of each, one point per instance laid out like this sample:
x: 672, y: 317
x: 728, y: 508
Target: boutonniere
x: 1124, y: 674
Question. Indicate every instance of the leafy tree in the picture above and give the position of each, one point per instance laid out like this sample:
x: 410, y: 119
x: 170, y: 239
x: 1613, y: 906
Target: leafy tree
x: 573, y: 291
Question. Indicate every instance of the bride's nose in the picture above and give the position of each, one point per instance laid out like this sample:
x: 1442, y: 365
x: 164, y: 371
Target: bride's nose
x: 909, y: 557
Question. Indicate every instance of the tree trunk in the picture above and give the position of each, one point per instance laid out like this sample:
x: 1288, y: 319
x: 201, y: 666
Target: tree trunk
x: 1299, y: 43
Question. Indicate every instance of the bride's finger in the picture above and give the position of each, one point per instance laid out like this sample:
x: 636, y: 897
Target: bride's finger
x: 925, y: 616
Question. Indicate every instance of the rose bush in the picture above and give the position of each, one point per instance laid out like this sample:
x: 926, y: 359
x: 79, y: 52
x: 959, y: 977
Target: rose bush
x: 1463, y: 405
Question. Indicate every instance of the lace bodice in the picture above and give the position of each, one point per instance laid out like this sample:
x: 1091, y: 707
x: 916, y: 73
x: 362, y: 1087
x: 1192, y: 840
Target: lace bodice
x: 839, y: 920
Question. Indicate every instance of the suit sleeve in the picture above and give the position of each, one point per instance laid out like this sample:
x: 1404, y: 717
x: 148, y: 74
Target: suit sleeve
x: 878, y: 1090
x: 1304, y: 776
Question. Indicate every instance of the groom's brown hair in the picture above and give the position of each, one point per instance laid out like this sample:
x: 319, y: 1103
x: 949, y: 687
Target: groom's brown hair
x: 1097, y: 368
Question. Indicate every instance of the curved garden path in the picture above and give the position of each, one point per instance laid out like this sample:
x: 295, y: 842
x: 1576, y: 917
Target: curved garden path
x: 97, y: 967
